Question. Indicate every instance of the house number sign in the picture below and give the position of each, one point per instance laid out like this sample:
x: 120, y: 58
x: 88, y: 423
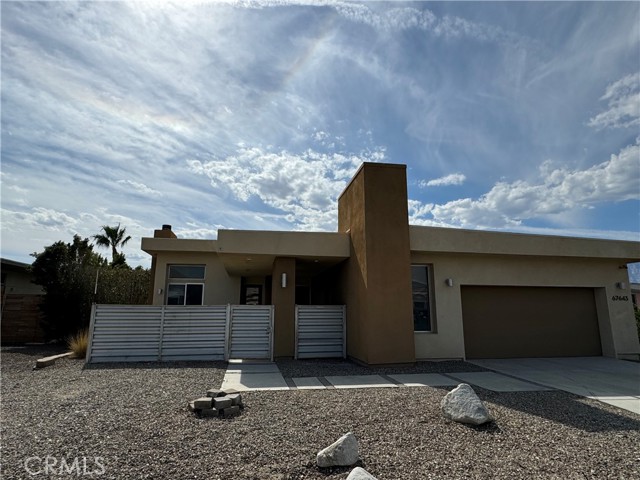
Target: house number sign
x: 620, y: 298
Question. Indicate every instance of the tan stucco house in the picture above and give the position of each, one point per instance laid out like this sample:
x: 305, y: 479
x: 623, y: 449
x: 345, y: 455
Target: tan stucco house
x: 414, y: 292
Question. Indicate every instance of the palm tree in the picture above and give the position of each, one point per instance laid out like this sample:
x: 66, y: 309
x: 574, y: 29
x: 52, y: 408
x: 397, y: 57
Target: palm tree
x: 113, y: 237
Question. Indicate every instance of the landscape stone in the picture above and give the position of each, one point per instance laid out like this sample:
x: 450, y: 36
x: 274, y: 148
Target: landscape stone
x: 222, y: 402
x: 204, y: 402
x: 209, y: 412
x: 360, y: 473
x: 214, y: 392
x: 463, y: 405
x: 192, y: 407
x: 236, y: 398
x: 342, y: 453
x: 231, y: 411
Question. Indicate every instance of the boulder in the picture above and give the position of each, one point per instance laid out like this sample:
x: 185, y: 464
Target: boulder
x: 342, y: 453
x: 360, y: 473
x: 463, y: 405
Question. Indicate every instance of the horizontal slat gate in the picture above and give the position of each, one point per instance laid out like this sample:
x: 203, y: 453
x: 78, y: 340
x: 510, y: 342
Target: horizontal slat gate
x: 251, y: 332
x: 320, y: 331
x: 137, y: 333
x: 194, y: 333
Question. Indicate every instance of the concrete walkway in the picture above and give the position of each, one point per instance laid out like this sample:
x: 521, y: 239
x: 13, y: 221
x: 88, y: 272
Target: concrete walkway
x: 614, y: 382
x: 250, y: 376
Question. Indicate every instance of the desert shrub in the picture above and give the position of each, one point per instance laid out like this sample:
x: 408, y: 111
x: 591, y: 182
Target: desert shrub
x: 79, y: 343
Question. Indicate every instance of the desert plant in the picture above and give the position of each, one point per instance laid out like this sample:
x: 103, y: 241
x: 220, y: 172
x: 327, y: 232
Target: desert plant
x: 79, y: 343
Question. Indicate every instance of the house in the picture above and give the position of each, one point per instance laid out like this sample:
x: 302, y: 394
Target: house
x: 21, y: 300
x: 413, y: 292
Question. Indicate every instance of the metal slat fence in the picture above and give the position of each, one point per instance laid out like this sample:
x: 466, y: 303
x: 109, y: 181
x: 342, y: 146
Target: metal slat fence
x: 320, y: 331
x: 138, y: 333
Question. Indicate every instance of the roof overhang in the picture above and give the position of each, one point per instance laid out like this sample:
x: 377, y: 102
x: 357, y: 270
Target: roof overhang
x: 452, y: 240
x: 252, y: 252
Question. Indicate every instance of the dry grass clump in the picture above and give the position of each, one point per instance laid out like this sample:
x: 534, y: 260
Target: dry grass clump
x: 78, y: 343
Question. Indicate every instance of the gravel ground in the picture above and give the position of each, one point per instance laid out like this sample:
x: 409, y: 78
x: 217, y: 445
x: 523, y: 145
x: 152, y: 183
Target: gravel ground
x: 134, y: 417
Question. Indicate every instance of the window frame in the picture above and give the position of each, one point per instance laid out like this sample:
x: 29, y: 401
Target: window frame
x: 185, y: 282
x: 430, y: 299
x: 186, y: 286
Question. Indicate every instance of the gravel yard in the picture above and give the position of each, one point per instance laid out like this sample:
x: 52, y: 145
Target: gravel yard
x: 134, y: 418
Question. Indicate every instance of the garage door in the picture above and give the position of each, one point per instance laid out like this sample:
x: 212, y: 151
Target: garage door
x: 509, y: 322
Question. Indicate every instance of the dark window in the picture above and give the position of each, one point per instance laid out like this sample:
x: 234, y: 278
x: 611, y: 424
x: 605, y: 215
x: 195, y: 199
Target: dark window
x: 185, y: 294
x: 421, y: 292
x: 186, y: 271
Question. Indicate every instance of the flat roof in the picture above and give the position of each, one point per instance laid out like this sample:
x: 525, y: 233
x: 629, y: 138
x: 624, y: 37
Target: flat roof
x: 453, y: 240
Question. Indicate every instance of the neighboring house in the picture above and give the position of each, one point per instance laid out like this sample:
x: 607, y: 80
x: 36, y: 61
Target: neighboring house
x: 414, y: 292
x: 21, y: 300
x: 635, y: 294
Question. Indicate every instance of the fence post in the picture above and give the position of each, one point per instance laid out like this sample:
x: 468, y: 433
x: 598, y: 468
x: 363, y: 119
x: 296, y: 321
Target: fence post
x: 227, y: 334
x: 295, y: 353
x: 160, y: 340
x: 344, y: 331
x: 271, y: 311
x: 92, y: 324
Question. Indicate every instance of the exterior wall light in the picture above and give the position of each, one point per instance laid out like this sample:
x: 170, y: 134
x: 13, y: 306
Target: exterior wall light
x: 449, y: 282
x: 159, y: 291
x: 621, y: 285
x: 283, y: 280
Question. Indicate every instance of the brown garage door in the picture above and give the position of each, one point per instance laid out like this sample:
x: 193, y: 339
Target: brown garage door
x: 509, y: 322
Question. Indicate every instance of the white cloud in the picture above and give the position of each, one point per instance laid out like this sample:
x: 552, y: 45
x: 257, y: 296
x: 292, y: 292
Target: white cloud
x: 304, y: 187
x: 558, y: 190
x: 452, y: 179
x: 623, y: 99
x: 40, y: 217
x: 140, y: 188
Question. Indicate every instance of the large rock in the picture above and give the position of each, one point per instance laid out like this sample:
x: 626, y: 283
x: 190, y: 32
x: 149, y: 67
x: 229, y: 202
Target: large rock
x: 463, y: 405
x: 342, y: 453
x: 360, y: 473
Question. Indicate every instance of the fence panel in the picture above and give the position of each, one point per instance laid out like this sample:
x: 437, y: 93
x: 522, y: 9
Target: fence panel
x: 320, y: 331
x: 124, y: 333
x: 194, y: 333
x: 138, y: 333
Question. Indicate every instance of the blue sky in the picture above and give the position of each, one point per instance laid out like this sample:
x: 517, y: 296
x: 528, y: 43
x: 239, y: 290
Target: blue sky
x: 510, y: 116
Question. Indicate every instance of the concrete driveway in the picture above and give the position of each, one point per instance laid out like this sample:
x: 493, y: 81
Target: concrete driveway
x: 616, y: 382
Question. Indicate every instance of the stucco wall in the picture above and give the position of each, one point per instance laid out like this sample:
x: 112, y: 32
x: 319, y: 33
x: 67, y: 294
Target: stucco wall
x: 219, y: 287
x: 377, y: 277
x: 616, y: 321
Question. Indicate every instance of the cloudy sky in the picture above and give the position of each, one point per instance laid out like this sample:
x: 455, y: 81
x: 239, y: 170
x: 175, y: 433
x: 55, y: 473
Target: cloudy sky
x: 253, y: 115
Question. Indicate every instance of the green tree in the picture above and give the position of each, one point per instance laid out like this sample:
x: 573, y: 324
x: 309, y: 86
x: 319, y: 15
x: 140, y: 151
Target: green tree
x: 70, y: 273
x: 114, y: 238
x: 66, y: 271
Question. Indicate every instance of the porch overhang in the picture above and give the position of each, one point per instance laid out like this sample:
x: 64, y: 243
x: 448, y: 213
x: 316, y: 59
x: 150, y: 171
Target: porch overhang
x: 252, y: 252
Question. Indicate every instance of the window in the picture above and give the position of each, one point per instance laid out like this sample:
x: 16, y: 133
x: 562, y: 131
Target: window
x: 186, y: 271
x: 182, y: 289
x: 185, y: 294
x: 422, y: 298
